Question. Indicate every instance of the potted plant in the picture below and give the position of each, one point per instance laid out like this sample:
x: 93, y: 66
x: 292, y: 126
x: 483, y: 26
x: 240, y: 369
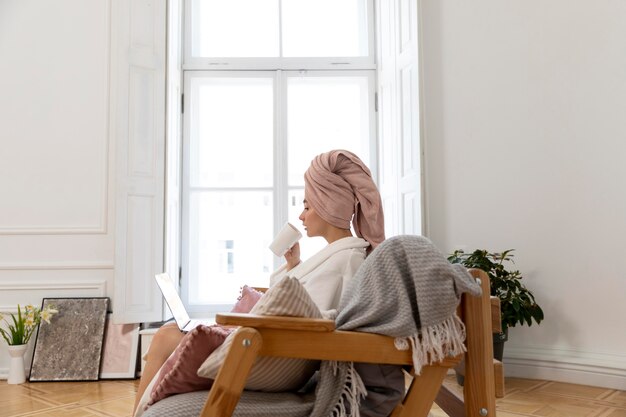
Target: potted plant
x: 17, y: 334
x: 517, y: 303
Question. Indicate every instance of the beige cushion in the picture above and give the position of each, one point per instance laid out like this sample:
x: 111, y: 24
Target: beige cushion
x: 287, y: 298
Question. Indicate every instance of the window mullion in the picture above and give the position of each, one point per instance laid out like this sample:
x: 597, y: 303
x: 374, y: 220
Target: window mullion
x: 280, y: 29
x: 280, y: 155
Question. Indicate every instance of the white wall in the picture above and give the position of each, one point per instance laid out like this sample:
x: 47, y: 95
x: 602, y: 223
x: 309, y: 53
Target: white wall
x: 56, y: 180
x: 525, y: 148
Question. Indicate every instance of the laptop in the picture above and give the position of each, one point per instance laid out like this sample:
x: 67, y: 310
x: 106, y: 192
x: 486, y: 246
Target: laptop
x: 168, y: 289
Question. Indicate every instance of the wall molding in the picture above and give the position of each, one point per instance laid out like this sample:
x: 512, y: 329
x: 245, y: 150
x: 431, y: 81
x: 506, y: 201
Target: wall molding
x: 99, y: 229
x: 600, y: 369
x: 37, y: 266
x: 98, y: 286
x: 102, y: 226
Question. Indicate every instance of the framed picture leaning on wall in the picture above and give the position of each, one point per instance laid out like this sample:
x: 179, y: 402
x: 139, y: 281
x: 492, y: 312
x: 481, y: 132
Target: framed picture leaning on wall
x: 119, y: 354
x: 70, y: 349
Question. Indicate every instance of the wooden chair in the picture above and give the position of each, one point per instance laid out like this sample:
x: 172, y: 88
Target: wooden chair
x: 498, y: 367
x: 318, y: 339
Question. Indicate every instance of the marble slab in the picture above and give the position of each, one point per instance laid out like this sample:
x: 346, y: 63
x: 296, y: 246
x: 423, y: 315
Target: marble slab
x: 70, y: 347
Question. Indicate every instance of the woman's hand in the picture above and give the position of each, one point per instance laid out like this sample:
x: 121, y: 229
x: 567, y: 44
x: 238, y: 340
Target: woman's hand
x: 292, y: 256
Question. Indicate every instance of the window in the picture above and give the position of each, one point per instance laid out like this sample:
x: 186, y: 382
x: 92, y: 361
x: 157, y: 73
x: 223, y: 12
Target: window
x: 148, y: 199
x: 300, y: 81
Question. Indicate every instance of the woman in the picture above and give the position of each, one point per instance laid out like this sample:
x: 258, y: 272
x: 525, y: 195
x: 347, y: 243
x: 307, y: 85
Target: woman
x: 338, y: 190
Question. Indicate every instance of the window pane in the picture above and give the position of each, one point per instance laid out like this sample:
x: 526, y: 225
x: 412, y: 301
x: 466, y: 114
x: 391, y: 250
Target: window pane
x: 234, y: 28
x: 325, y: 113
x: 330, y: 28
x: 228, y: 244
x: 232, y: 131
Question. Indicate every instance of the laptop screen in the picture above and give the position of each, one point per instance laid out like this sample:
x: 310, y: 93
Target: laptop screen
x: 173, y: 299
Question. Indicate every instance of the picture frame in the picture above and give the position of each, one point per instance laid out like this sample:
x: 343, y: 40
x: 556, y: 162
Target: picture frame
x: 70, y: 347
x: 119, y: 354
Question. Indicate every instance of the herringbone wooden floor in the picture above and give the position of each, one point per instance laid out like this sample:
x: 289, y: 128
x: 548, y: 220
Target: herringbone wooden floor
x: 524, y: 398
x: 534, y: 398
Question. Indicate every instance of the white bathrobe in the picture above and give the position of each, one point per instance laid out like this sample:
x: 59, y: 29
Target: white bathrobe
x: 327, y: 273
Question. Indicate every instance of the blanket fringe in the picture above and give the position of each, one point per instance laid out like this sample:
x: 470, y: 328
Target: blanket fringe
x: 353, y: 392
x: 434, y: 343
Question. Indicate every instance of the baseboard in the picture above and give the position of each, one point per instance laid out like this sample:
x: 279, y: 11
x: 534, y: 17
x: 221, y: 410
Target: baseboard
x: 4, y: 373
x: 564, y: 365
x: 574, y: 367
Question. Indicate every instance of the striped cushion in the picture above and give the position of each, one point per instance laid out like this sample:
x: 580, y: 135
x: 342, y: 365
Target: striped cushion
x: 287, y: 298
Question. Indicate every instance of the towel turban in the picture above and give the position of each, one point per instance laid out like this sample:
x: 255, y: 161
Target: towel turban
x: 340, y: 188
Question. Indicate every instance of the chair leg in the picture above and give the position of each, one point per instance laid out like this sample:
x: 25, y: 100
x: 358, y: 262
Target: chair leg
x: 231, y: 379
x: 498, y: 372
x: 479, y: 387
x: 422, y: 392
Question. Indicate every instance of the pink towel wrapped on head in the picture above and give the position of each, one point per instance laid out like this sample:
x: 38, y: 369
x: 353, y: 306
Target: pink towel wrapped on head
x: 340, y: 186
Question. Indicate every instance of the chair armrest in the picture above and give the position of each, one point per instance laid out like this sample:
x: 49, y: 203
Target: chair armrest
x: 275, y: 322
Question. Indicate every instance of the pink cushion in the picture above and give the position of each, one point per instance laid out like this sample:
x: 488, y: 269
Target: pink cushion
x: 248, y: 298
x: 179, y: 373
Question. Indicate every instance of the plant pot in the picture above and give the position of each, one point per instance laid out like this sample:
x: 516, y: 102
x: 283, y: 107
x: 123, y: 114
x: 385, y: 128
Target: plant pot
x: 498, y: 350
x: 17, y: 375
x: 498, y: 344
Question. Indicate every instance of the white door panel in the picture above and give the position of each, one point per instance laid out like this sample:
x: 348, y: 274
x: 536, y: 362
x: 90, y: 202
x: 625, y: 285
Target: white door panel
x: 399, y: 127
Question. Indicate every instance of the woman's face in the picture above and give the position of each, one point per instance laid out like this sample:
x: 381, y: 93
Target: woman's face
x: 312, y: 222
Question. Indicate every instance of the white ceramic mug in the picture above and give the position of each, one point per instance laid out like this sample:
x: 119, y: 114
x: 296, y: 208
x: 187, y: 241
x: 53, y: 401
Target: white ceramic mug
x: 285, y: 239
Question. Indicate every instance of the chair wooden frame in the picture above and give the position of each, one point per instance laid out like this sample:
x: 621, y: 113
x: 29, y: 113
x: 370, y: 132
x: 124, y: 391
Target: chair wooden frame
x: 318, y: 339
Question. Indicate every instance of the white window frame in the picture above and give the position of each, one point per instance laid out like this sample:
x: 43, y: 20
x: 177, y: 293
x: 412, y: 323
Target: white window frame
x: 278, y: 63
x: 280, y: 187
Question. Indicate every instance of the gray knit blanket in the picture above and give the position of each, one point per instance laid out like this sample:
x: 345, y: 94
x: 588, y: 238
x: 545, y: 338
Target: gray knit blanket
x: 405, y: 289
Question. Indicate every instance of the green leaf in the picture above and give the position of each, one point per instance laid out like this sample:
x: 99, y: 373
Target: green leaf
x: 518, y: 304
